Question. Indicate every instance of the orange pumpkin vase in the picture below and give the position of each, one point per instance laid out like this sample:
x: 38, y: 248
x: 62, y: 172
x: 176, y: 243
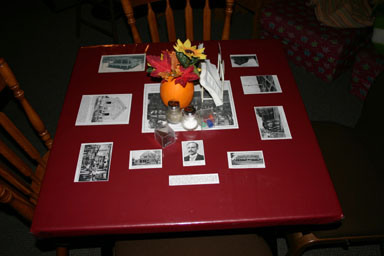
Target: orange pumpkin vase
x: 176, y: 92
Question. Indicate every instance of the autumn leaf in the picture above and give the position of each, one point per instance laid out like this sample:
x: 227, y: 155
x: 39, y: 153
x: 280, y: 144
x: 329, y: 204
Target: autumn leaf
x: 160, y: 66
x: 187, y: 76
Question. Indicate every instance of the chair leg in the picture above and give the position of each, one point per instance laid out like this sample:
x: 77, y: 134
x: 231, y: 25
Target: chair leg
x: 298, y: 243
x: 62, y: 251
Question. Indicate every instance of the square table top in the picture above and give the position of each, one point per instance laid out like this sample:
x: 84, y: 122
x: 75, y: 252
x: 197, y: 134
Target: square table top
x: 294, y: 188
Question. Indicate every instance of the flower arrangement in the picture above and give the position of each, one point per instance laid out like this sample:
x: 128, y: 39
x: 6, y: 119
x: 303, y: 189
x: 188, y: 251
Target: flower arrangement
x: 181, y: 64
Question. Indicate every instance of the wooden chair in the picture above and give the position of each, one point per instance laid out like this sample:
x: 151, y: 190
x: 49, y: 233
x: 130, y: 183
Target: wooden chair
x: 19, y: 183
x: 354, y: 160
x: 215, y: 245
x: 128, y: 7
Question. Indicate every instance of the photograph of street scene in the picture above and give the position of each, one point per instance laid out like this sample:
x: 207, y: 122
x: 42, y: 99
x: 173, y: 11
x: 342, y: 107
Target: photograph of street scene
x: 272, y: 123
x: 94, y: 162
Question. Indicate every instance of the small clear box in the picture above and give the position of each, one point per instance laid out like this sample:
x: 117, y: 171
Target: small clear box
x: 207, y: 118
x: 164, y: 134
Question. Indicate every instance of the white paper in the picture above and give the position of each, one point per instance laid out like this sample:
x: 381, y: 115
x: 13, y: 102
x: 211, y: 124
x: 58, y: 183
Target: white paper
x: 194, y: 179
x: 104, y: 109
x: 210, y: 80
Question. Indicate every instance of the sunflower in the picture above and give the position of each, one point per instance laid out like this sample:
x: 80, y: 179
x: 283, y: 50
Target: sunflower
x: 188, y: 50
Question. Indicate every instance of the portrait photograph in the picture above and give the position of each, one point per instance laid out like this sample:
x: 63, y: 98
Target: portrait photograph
x: 244, y: 60
x: 193, y: 152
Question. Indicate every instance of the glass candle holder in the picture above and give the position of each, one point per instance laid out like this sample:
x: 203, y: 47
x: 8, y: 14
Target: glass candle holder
x: 173, y: 112
x: 164, y: 134
x: 189, y: 120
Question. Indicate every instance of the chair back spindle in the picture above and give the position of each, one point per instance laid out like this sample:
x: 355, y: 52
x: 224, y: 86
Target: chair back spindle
x: 128, y: 7
x: 170, y: 20
x: 20, y: 178
x: 22, y: 166
x: 33, y: 117
x: 207, y: 23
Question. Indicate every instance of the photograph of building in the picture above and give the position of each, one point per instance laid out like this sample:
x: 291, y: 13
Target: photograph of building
x: 147, y: 158
x: 107, y: 108
x: 246, y: 159
x: 122, y: 63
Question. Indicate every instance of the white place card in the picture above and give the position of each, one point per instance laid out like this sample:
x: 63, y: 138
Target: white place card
x: 194, y: 179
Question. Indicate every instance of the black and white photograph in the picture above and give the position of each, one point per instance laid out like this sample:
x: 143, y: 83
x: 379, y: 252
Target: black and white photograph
x: 193, y: 152
x: 145, y: 159
x: 122, y: 63
x: 260, y: 84
x: 272, y: 123
x: 104, y: 109
x: 94, y: 162
x: 154, y: 110
x: 245, y: 159
x: 244, y: 60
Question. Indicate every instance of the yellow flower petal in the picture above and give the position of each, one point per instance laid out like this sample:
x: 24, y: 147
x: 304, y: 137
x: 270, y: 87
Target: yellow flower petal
x: 187, y: 43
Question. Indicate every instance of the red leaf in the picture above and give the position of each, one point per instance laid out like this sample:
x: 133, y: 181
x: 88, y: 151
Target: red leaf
x: 160, y: 65
x: 187, y: 76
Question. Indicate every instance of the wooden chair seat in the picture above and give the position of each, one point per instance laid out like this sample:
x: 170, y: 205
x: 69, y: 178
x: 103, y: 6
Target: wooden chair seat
x: 353, y: 157
x: 220, y: 245
x: 130, y: 5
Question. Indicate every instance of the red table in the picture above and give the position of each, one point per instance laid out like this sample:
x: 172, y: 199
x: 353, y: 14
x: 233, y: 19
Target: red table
x: 294, y: 188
